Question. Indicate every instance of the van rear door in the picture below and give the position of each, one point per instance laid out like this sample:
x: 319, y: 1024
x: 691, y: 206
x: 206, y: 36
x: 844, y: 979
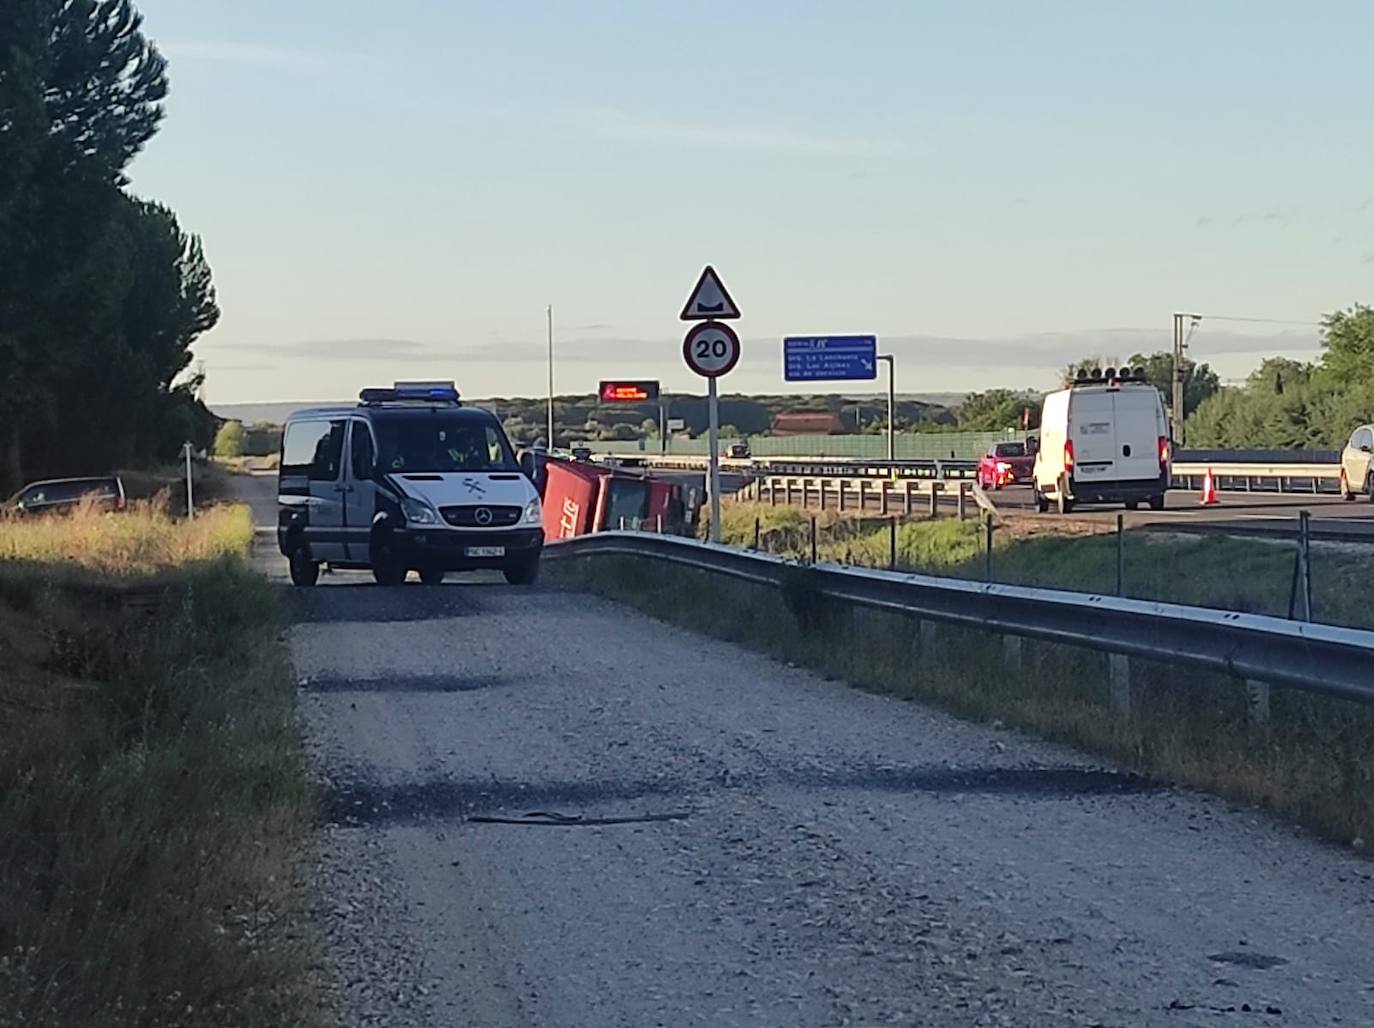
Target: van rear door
x: 1137, y: 433
x: 1092, y: 427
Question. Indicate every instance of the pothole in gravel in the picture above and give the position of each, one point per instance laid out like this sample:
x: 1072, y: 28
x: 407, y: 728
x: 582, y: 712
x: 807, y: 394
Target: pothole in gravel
x: 1007, y: 781
x: 406, y: 683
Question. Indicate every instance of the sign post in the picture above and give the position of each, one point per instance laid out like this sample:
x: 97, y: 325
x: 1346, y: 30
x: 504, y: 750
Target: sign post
x: 186, y: 450
x: 711, y: 349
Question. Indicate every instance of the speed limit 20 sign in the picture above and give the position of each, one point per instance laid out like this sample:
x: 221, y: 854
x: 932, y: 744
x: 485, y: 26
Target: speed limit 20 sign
x: 711, y: 349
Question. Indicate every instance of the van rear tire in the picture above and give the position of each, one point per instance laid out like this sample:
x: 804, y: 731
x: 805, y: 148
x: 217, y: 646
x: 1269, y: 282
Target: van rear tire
x: 1042, y: 504
x: 1063, y: 504
x: 1157, y: 502
x: 432, y: 576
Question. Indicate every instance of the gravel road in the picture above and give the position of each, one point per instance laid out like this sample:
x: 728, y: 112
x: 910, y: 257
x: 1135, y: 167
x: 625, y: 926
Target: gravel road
x: 760, y: 846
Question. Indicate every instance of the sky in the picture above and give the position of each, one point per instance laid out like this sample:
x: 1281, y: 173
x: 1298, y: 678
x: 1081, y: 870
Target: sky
x: 993, y: 187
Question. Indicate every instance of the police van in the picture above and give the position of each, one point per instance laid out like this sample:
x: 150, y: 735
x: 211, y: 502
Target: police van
x: 1105, y: 439
x: 407, y: 480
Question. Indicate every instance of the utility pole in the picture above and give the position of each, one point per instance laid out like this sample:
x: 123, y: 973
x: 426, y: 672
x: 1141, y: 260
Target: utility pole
x: 891, y: 404
x: 1180, y: 365
x: 549, y: 312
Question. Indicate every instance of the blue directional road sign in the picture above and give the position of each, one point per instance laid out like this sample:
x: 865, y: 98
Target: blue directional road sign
x: 829, y: 358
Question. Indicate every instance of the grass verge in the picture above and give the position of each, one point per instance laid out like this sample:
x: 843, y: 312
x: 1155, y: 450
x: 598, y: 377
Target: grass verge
x: 152, y: 790
x: 1313, y: 764
x: 1242, y: 574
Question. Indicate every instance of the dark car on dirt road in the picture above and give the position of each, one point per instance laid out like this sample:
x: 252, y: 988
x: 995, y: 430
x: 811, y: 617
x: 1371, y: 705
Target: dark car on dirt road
x: 1005, y: 464
x: 61, y: 495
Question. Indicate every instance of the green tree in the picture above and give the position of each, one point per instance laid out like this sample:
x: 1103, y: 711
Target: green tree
x: 80, y: 94
x: 1348, y: 345
x: 997, y: 409
x: 229, y: 440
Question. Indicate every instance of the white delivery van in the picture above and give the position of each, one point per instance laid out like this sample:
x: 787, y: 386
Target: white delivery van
x: 1105, y: 439
x: 408, y: 480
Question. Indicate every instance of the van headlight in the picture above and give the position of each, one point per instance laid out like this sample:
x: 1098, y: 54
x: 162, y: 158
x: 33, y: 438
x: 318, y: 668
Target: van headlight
x: 534, y: 514
x: 417, y: 512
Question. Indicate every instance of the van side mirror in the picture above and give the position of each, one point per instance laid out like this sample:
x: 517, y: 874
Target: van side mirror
x: 526, y: 461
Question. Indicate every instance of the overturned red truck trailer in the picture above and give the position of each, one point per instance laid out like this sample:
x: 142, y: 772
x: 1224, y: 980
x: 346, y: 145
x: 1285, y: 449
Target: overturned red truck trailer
x: 581, y: 498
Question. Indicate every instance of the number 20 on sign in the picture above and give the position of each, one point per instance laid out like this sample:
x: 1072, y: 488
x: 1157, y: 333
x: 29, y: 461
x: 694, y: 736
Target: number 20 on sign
x: 711, y: 349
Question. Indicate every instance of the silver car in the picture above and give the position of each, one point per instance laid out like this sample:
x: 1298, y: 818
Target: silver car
x: 1357, y: 462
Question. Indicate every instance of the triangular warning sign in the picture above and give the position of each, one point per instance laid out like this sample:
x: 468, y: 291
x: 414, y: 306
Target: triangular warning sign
x: 709, y: 300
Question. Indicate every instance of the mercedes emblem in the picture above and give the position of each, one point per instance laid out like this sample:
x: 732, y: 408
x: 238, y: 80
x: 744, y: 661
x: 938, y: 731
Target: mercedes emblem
x: 482, y: 515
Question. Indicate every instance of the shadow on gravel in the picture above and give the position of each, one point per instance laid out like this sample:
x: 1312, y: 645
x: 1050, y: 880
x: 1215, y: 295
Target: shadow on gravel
x: 358, y: 803
x: 407, y: 683
x: 375, y: 604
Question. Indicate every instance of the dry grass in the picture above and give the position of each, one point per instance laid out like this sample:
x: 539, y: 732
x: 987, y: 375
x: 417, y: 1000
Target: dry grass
x: 152, y: 794
x: 137, y: 541
x: 1313, y: 764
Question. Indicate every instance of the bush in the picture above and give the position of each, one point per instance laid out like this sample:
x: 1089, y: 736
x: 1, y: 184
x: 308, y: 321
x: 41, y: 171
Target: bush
x: 229, y: 440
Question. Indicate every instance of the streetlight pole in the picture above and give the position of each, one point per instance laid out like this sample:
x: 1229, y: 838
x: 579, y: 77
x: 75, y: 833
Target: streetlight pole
x: 1180, y: 346
x: 891, y: 405
x: 549, y: 312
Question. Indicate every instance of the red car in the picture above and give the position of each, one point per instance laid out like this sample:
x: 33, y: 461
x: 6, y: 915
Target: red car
x: 1005, y: 464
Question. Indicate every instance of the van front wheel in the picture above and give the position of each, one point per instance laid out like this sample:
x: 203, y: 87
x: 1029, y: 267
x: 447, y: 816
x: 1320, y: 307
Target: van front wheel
x: 522, y: 572
x: 305, y: 570
x: 387, y: 568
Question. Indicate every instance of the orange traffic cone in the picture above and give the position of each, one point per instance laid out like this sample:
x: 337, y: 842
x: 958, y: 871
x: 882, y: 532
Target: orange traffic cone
x: 1209, y: 490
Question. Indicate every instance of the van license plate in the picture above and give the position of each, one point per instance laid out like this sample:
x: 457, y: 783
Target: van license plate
x: 486, y: 551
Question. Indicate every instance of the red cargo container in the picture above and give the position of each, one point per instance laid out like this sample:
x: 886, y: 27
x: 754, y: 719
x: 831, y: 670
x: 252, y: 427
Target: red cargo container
x: 582, y: 498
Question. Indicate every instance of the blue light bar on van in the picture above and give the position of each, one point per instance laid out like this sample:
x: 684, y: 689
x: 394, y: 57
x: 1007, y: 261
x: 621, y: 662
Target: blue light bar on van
x: 422, y: 391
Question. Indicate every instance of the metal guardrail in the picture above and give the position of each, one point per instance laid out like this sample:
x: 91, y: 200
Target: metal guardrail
x: 1260, y: 650
x: 1255, y: 476
x: 846, y: 493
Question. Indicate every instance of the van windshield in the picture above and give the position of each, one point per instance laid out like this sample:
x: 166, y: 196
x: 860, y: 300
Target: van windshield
x: 439, y: 443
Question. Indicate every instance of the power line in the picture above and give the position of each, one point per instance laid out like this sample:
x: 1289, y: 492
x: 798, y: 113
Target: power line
x: 1258, y: 321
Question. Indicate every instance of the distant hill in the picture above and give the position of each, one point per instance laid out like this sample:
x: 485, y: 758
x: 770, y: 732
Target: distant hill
x: 684, y: 406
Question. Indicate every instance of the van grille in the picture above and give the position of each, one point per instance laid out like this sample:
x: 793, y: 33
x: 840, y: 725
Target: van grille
x: 476, y: 516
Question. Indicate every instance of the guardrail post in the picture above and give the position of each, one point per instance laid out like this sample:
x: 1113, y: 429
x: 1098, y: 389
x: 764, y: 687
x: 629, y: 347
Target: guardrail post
x: 926, y: 632
x: 1011, y: 651
x: 906, y: 486
x: 841, y: 483
x: 963, y: 500
x: 863, y: 499
x: 882, y: 498
x: 935, y: 488
x: 1257, y: 702
x: 822, y: 484
x: 806, y: 492
x: 1120, y: 554
x: 789, y: 492
x: 1119, y: 675
x: 772, y: 493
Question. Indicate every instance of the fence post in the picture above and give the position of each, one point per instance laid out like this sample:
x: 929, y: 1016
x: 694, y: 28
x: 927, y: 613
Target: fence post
x: 863, y: 497
x: 892, y: 544
x: 757, y: 532
x: 788, y: 487
x: 988, y: 554
x: 1120, y: 554
x: 1119, y: 674
x: 963, y: 501
x: 1257, y: 702
x: 906, y: 487
x: 806, y: 492
x: 882, y: 498
x: 1300, y: 593
x: 935, y: 488
x: 841, y: 483
x: 822, y: 484
x: 772, y: 493
x: 813, y: 539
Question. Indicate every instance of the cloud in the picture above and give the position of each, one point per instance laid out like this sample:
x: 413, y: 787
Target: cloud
x: 259, y: 55
x: 338, y: 349
x: 614, y: 124
x: 1203, y: 222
